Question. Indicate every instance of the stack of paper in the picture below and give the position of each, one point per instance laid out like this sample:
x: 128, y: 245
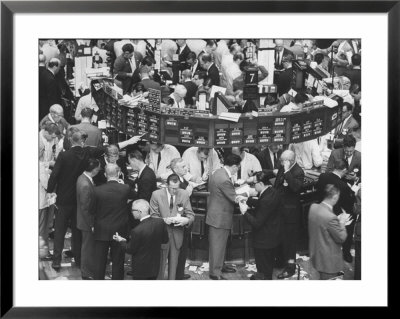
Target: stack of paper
x: 233, y: 117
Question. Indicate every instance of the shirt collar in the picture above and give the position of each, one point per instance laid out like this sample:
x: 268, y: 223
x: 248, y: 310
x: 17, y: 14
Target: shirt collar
x: 90, y: 178
x: 210, y: 66
x: 51, y: 118
x: 229, y: 173
x: 169, y: 194
x: 145, y: 217
x: 291, y: 167
x: 325, y: 203
x: 140, y: 172
x: 336, y: 174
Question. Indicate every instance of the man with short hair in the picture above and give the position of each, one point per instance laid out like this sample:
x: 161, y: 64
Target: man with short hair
x: 191, y: 87
x: 111, y: 216
x: 269, y: 159
x: 266, y: 224
x: 85, y: 101
x: 160, y: 157
x: 308, y: 154
x: 179, y: 167
x: 288, y: 183
x: 193, y: 63
x: 212, y: 70
x: 145, y: 78
x: 85, y: 216
x: 173, y: 205
x: 183, y: 52
x: 56, y: 115
x: 220, y: 207
x: 348, y: 153
x: 125, y: 65
x: 326, y: 234
x: 285, y: 78
x: 200, y: 163
x: 232, y: 71
x: 145, y: 242
x: 49, y: 91
x: 354, y: 74
x: 249, y: 164
x: 280, y: 52
x: 349, y: 123
x: 94, y: 134
x: 177, y: 98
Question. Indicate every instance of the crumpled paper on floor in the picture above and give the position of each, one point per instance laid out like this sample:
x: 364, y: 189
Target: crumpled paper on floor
x: 251, y: 267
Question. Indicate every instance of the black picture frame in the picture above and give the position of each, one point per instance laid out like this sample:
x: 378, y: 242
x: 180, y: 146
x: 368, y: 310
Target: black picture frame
x: 9, y: 8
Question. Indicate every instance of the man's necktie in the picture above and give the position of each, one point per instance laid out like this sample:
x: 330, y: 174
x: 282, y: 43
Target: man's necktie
x: 171, y: 203
x: 202, y: 168
x: 158, y: 160
x: 275, y: 160
x: 346, y: 160
x: 239, y: 173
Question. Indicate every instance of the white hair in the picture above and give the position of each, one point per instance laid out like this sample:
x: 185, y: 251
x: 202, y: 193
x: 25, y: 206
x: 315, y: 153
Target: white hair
x: 180, y: 90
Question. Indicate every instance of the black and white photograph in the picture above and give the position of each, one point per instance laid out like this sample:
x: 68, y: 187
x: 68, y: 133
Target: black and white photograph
x: 152, y: 149
x: 200, y: 159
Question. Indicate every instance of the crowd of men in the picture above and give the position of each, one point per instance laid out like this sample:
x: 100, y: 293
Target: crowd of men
x: 113, y: 205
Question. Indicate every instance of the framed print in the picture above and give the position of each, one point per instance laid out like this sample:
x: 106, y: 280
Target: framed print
x: 254, y: 27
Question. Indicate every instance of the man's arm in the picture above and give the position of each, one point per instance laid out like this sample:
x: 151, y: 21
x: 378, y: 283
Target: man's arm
x: 118, y: 69
x: 337, y: 231
x: 228, y: 190
x: 154, y: 207
x: 263, y: 211
x: 51, y: 185
x: 85, y: 202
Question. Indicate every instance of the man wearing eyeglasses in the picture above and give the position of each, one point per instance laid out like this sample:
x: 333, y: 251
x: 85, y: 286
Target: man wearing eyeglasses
x: 56, y: 115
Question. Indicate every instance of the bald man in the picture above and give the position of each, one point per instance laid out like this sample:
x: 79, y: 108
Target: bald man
x: 56, y: 115
x: 111, y: 216
x: 49, y: 91
x: 288, y: 183
x: 177, y: 97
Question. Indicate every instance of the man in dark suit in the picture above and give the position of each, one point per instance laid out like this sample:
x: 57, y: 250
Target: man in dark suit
x: 280, y: 52
x: 193, y: 63
x: 348, y: 125
x: 125, y: 65
x: 346, y: 200
x: 183, y: 51
x: 145, y: 78
x: 111, y: 216
x: 351, y: 157
x: 288, y: 183
x: 220, y: 207
x: 145, y: 242
x: 212, y: 70
x: 190, y: 86
x: 85, y: 216
x: 284, y: 82
x: 266, y: 224
x: 326, y: 233
x: 49, y: 91
x: 69, y: 165
x: 269, y: 159
x: 354, y: 74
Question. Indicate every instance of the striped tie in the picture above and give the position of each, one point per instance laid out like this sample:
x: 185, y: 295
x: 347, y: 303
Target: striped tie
x: 149, y: 49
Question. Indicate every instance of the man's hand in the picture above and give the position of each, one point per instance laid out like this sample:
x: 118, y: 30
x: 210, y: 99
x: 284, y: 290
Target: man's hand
x: 181, y: 221
x: 251, y: 179
x: 240, y: 198
x: 168, y: 220
x: 243, y: 208
x: 275, y: 171
x: 134, y: 140
x: 118, y: 238
x: 345, y: 219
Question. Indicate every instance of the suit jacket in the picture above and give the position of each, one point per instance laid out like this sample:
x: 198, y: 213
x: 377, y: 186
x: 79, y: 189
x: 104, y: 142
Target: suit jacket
x: 285, y: 81
x: 49, y: 92
x: 146, y: 184
x: 159, y: 207
x: 290, y: 192
x: 267, y: 221
x: 100, y: 178
x: 69, y: 165
x: 221, y: 201
x: 94, y: 134
x: 122, y: 66
x: 191, y: 92
x: 346, y: 199
x: 182, y: 57
x: 279, y: 66
x: 111, y: 210
x: 354, y: 76
x: 338, y: 154
x: 265, y: 160
x: 85, y: 203
x: 151, y: 84
x: 144, y: 246
x: 326, y: 236
x: 213, y: 74
x: 350, y: 125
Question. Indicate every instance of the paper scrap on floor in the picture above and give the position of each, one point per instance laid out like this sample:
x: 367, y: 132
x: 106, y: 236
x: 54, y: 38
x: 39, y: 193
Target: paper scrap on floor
x: 65, y: 264
x: 192, y: 268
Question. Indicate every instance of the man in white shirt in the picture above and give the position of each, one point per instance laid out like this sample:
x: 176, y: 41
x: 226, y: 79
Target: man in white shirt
x: 220, y: 52
x: 159, y: 159
x: 232, y: 71
x: 249, y: 164
x: 307, y: 153
x: 86, y: 101
x: 200, y: 164
x: 178, y: 96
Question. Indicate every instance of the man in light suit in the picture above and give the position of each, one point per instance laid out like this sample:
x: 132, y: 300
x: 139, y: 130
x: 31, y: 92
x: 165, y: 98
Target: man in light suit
x: 326, y: 233
x: 173, y: 205
x: 125, y: 65
x: 349, y: 123
x: 220, y: 208
x: 85, y: 216
x: 348, y: 153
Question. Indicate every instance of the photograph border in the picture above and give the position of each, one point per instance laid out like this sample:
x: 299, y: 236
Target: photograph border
x: 9, y: 8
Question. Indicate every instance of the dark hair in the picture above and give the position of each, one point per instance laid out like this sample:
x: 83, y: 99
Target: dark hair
x: 348, y: 106
x: 238, y: 56
x: 263, y: 178
x: 201, y: 74
x: 243, y: 65
x: 136, y: 155
x: 330, y: 191
x: 174, y: 178
x: 355, y: 88
x: 270, y: 99
x: 300, y: 98
x: 148, y: 60
x: 340, y: 164
x: 319, y: 57
x: 349, y: 141
x: 211, y: 43
x: 233, y: 47
x: 356, y: 59
x: 52, y: 64
x: 206, y: 58
x: 232, y: 159
x: 87, y: 112
x: 91, y: 164
x: 127, y: 47
x: 208, y: 82
x: 203, y: 150
x: 51, y: 127
x: 139, y: 87
x: 191, y: 56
